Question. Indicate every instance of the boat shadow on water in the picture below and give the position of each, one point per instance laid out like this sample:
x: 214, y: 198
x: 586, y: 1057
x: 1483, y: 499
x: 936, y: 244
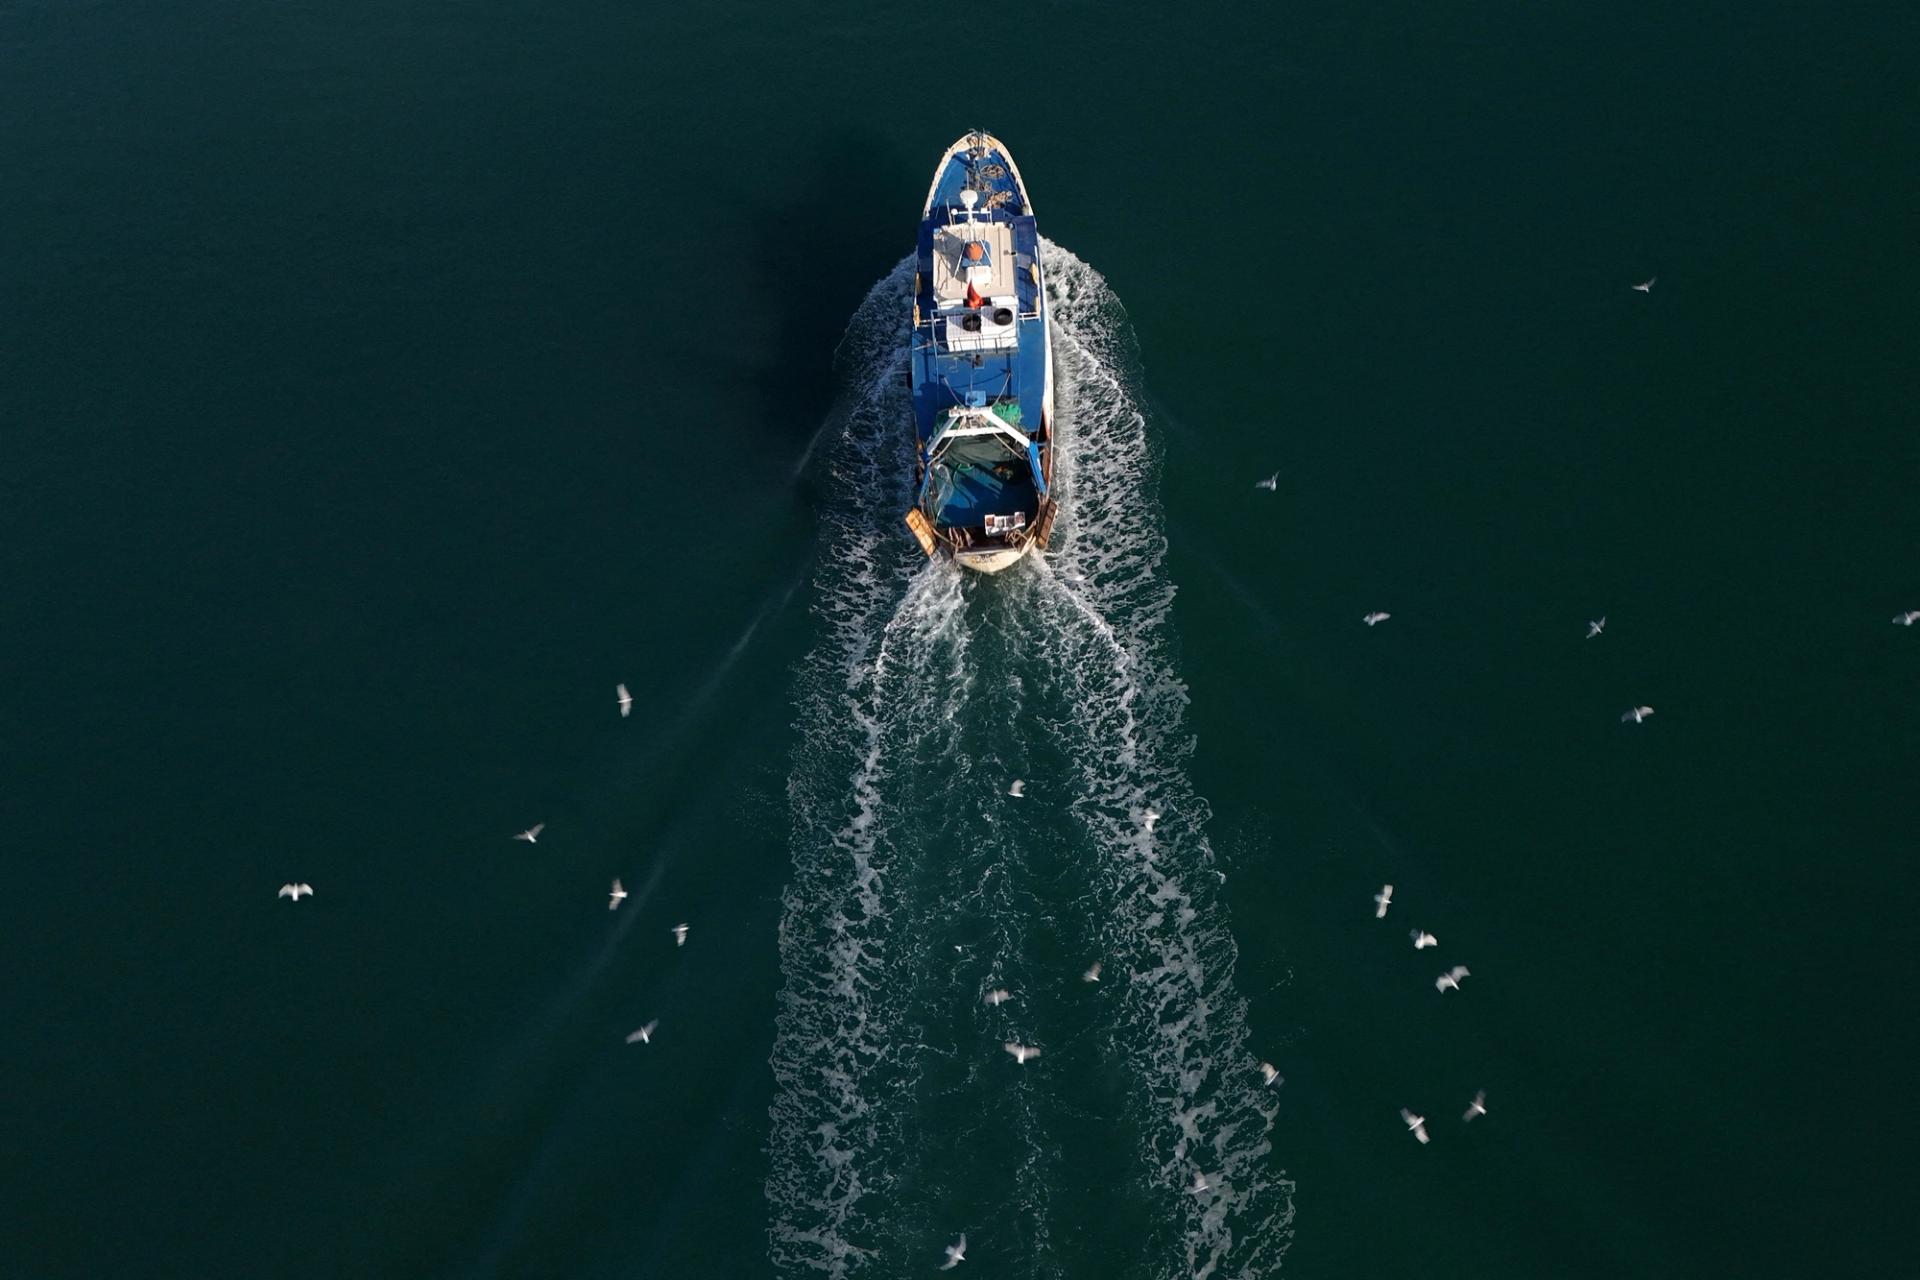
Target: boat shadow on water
x: 826, y: 225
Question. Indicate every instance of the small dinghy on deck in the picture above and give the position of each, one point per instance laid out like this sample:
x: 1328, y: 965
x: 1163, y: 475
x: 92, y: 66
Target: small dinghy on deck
x: 981, y: 366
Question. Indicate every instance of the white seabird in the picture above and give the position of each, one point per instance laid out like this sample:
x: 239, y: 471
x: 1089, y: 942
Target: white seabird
x: 1478, y: 1107
x: 1421, y: 941
x: 996, y: 997
x: 645, y: 1034
x: 616, y: 895
x: 1382, y: 900
x: 1376, y: 617
x: 1200, y: 1183
x: 1148, y: 818
x: 295, y: 891
x: 1271, y: 1074
x: 1416, y: 1125
x: 1450, y: 980
x: 625, y: 699
x: 1596, y: 626
x: 1645, y: 286
x: 532, y: 834
x: 1906, y: 619
x: 1092, y: 974
x: 956, y: 1253
x: 1019, y: 788
x: 1021, y: 1052
x: 1271, y: 484
x: 679, y: 933
x: 1635, y: 714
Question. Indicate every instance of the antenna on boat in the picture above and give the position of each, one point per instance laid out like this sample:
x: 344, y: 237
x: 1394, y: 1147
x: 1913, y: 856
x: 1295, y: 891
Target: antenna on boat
x: 976, y: 152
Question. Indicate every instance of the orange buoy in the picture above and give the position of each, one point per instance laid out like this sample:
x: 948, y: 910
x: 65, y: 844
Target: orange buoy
x: 974, y: 299
x: 975, y: 252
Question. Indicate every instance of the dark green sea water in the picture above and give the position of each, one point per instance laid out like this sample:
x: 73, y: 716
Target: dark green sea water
x: 381, y: 383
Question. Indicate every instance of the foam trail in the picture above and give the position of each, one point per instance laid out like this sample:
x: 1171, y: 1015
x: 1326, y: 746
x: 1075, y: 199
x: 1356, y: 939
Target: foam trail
x: 878, y: 1094
x: 836, y: 1058
x: 1107, y: 609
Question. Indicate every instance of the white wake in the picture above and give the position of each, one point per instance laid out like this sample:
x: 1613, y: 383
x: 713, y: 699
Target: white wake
x: 915, y: 667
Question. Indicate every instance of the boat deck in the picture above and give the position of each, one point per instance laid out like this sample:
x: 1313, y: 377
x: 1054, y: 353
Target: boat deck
x: 942, y: 379
x: 977, y: 492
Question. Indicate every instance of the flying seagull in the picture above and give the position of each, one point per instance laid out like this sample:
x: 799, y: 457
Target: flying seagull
x: 617, y: 896
x: 1421, y: 941
x: 1271, y: 484
x: 1382, y: 900
x: 532, y: 834
x: 1376, y: 617
x: 294, y: 891
x: 956, y: 1253
x: 645, y: 1034
x: 1450, y: 980
x: 679, y: 933
x: 1092, y: 974
x: 1271, y: 1074
x: 1595, y: 627
x: 1635, y: 714
x: 1019, y: 787
x: 1021, y: 1052
x: 1416, y: 1125
x: 625, y: 699
x: 1478, y: 1107
x: 997, y: 996
x: 1908, y: 618
x: 1200, y: 1183
x: 1646, y: 286
x: 1150, y: 817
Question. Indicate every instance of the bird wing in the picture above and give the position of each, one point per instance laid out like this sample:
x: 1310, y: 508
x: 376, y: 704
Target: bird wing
x: 1459, y: 971
x: 536, y: 828
x: 306, y: 888
x: 285, y: 889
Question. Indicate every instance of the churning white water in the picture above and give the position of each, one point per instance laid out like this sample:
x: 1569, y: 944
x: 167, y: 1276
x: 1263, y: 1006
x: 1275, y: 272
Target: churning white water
x: 915, y: 886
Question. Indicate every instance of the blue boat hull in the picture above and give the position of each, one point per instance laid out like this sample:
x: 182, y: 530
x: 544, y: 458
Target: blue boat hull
x: 981, y: 366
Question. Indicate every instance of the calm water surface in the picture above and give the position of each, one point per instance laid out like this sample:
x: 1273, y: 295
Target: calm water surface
x: 379, y: 384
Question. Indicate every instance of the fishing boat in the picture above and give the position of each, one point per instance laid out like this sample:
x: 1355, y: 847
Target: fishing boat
x: 981, y: 366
